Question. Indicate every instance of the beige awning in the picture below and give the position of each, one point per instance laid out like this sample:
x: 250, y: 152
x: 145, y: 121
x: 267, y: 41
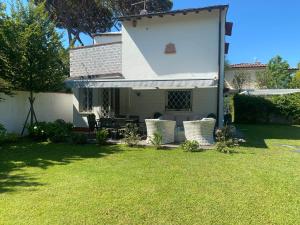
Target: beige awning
x: 142, y: 84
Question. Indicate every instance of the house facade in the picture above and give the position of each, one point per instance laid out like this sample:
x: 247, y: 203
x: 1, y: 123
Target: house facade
x: 251, y: 70
x: 169, y: 63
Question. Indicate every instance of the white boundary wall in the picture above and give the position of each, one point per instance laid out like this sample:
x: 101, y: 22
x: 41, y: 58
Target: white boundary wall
x: 48, y: 107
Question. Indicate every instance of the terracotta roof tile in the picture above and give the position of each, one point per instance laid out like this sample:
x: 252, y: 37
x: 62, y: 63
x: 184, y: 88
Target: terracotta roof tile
x: 248, y: 65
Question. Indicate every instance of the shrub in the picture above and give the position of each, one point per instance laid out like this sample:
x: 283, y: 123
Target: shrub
x: 102, y: 136
x: 190, y: 146
x: 226, y: 140
x: 131, y: 134
x: 37, y: 131
x: 289, y: 106
x: 253, y: 109
x: 156, y: 140
x: 79, y: 139
x: 59, y: 131
x: 2, y: 134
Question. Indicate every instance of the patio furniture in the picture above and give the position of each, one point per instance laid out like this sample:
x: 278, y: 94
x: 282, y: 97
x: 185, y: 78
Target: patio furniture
x: 164, y: 127
x: 91, y: 118
x: 201, y: 131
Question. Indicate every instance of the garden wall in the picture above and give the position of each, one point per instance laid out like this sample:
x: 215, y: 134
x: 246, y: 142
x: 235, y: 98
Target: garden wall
x: 48, y: 107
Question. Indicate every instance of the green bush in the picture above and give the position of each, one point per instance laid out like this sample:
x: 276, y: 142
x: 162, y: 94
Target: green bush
x: 79, y: 139
x: 156, y: 140
x: 56, y: 132
x: 131, y: 134
x: 37, y: 131
x: 288, y: 106
x: 226, y: 140
x: 190, y: 146
x: 102, y: 137
x: 253, y: 109
x: 7, y: 138
x: 59, y: 131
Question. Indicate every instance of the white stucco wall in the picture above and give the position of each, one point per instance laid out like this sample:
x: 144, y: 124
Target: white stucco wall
x: 204, y: 102
x: 48, y: 107
x: 148, y: 102
x: 107, y: 38
x: 196, y: 37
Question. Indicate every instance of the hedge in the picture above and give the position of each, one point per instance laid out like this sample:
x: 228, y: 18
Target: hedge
x: 279, y: 109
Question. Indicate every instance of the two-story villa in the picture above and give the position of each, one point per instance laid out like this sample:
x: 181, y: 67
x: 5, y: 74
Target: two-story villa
x: 171, y: 63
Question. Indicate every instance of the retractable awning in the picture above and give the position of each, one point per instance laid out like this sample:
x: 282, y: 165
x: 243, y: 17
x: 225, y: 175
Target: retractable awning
x: 266, y: 92
x: 142, y: 84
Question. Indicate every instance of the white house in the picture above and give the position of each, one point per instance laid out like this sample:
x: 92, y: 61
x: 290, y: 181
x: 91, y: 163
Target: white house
x: 251, y: 70
x: 170, y: 63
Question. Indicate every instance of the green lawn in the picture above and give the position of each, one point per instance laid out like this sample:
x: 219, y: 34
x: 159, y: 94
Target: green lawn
x: 65, y: 184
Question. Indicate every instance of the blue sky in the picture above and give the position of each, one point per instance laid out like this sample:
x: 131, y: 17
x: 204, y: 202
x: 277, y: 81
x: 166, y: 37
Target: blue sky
x: 262, y: 29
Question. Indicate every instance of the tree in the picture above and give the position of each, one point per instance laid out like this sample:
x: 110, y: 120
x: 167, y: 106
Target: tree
x: 95, y: 16
x: 276, y: 75
x: 5, y: 68
x: 240, y: 79
x: 134, y: 7
x: 33, y: 51
x: 295, y: 83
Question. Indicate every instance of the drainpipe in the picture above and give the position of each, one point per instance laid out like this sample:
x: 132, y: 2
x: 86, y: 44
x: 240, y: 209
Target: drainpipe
x: 219, y: 68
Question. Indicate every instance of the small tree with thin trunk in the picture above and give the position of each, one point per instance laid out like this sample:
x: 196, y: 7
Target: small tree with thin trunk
x: 34, y: 52
x: 240, y: 79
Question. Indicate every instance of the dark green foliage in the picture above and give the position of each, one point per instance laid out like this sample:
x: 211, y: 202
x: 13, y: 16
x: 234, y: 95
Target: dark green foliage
x: 102, y: 137
x: 37, y: 131
x: 59, y: 131
x: 32, y: 56
x: 226, y: 140
x: 95, y: 16
x: 79, y: 139
x: 190, y: 146
x: 7, y: 138
x: 129, y: 7
x: 252, y: 109
x: 131, y: 134
x: 276, y: 75
x: 289, y: 106
x: 156, y: 140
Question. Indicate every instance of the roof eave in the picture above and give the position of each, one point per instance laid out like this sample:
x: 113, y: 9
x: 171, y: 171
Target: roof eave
x: 173, y: 13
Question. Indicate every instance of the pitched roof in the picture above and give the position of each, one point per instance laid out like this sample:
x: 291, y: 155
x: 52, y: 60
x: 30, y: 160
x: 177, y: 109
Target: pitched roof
x: 256, y: 65
x: 173, y: 13
x: 248, y: 65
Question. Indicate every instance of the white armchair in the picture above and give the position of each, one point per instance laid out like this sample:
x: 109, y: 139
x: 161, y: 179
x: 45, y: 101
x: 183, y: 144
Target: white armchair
x: 201, y: 131
x: 164, y: 127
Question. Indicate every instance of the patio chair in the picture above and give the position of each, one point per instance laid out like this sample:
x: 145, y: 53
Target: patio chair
x: 91, y: 118
x: 201, y: 131
x: 164, y: 127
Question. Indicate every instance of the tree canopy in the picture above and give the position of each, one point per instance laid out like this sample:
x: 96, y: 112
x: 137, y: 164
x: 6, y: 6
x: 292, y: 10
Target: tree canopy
x: 276, y: 75
x: 32, y: 53
x: 95, y: 16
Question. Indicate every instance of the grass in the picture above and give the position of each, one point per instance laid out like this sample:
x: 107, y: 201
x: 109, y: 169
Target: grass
x: 43, y: 183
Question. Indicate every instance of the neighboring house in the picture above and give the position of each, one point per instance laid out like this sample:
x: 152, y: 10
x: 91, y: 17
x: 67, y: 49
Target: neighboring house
x: 251, y: 69
x: 170, y: 63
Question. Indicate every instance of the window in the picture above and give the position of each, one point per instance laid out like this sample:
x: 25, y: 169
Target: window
x: 179, y: 100
x: 86, y: 96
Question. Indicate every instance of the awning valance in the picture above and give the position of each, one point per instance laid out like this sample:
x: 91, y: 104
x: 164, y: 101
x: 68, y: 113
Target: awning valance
x: 266, y: 92
x: 142, y: 84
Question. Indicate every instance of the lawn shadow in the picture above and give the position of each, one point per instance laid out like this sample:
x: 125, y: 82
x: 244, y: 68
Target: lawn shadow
x: 14, y: 158
x: 256, y: 135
